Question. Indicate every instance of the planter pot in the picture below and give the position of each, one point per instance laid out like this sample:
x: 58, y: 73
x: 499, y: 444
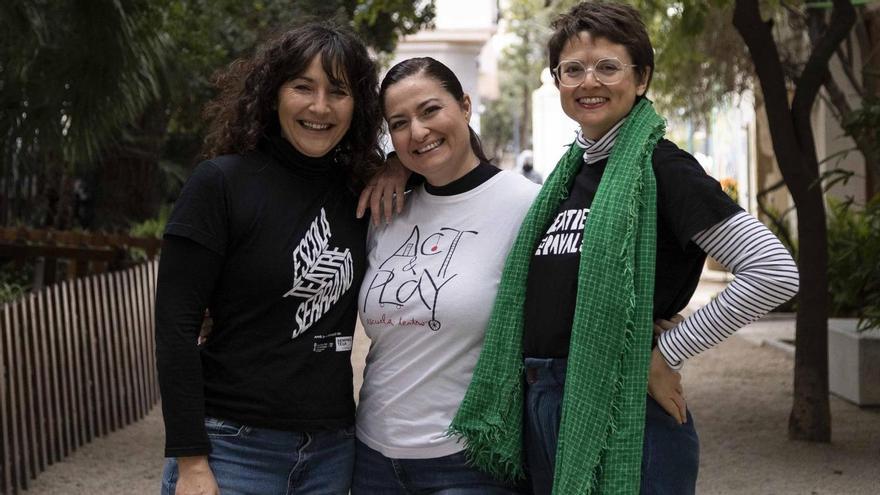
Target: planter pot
x: 853, y: 362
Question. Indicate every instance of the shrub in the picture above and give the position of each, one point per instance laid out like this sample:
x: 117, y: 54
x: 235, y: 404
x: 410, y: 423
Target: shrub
x: 854, y: 261
x: 14, y: 281
x: 153, y: 227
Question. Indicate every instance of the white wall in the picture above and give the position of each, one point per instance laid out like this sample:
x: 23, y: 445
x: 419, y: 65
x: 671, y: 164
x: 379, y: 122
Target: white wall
x: 552, y: 130
x: 835, y: 150
x: 465, y: 14
x: 462, y: 30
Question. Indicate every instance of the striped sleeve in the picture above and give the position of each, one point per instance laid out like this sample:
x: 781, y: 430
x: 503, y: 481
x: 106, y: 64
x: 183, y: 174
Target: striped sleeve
x: 765, y: 277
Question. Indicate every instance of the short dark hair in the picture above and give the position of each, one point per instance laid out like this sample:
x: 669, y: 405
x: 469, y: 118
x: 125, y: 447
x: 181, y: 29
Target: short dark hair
x: 615, y: 22
x: 439, y: 72
x: 246, y: 108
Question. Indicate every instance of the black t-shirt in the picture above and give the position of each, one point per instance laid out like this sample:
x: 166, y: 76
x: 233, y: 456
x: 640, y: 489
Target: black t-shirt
x: 284, y: 304
x: 688, y: 201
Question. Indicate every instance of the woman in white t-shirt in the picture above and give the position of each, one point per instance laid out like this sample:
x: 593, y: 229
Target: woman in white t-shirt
x: 429, y: 289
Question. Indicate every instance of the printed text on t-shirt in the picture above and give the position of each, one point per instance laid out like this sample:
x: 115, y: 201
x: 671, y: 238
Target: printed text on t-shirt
x: 321, y: 274
x: 565, y: 234
x: 420, y: 267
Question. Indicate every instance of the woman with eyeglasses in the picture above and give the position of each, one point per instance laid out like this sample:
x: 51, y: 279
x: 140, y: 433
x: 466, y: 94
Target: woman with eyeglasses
x: 617, y: 238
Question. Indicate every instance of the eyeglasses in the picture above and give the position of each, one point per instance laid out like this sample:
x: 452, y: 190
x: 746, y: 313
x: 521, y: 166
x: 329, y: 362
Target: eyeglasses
x: 571, y: 73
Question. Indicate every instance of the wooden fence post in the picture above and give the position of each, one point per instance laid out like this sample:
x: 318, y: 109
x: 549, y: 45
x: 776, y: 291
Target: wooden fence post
x: 76, y: 362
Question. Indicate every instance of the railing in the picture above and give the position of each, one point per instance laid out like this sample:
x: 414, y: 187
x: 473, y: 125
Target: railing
x: 80, y: 253
x: 77, y: 363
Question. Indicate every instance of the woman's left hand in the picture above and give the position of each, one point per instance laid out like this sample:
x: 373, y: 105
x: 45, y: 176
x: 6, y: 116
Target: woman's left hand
x: 664, y: 385
x: 661, y: 325
x: 384, y: 193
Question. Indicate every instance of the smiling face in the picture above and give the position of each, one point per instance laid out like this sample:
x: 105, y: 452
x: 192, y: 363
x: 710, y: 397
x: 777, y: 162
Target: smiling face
x: 593, y: 105
x: 429, y: 129
x: 313, y: 112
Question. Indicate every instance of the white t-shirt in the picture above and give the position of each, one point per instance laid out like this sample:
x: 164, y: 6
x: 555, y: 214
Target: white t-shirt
x: 425, y: 302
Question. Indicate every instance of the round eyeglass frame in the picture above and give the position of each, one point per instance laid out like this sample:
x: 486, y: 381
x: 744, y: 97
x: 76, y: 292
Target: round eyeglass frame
x: 590, y: 68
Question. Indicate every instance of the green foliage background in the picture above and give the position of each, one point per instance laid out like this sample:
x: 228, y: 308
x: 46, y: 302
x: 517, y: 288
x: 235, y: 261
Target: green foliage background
x: 111, y: 92
x: 854, y: 261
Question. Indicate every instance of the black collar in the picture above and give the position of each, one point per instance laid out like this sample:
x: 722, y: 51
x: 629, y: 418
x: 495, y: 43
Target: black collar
x: 307, y: 167
x: 480, y: 174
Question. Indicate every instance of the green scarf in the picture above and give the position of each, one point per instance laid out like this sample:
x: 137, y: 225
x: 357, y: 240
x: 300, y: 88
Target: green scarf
x: 603, y: 411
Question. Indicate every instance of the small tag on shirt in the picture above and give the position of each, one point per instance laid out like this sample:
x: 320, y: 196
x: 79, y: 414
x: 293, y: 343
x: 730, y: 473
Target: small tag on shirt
x: 343, y: 344
x: 327, y: 342
x: 334, y: 341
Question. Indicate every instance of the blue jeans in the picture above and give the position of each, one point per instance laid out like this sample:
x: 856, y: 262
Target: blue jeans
x: 260, y: 461
x: 670, y: 453
x: 375, y: 474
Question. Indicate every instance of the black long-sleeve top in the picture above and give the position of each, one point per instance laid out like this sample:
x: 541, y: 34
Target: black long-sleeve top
x: 269, y: 243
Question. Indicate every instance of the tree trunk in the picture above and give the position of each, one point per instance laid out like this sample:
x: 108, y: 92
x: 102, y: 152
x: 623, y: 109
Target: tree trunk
x: 810, y: 417
x: 795, y: 151
x: 867, y: 145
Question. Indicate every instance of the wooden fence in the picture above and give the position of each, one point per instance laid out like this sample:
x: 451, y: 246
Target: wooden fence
x: 81, y: 253
x: 77, y: 363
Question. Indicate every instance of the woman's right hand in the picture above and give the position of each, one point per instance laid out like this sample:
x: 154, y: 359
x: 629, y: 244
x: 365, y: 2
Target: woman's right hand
x: 195, y: 477
x: 384, y: 195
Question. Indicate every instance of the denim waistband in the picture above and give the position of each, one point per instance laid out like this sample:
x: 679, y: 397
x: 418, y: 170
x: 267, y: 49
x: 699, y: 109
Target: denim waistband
x: 545, y: 371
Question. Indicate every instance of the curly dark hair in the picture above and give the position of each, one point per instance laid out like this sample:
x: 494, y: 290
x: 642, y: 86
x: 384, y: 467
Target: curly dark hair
x: 246, y: 108
x: 616, y: 22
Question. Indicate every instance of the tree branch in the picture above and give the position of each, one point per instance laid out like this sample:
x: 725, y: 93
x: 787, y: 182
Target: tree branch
x: 869, y: 52
x: 758, y: 36
x: 838, y: 99
x: 847, y: 64
x: 776, y: 218
x: 843, y: 17
x: 827, y: 100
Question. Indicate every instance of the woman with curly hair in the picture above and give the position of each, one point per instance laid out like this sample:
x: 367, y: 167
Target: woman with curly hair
x: 264, y: 235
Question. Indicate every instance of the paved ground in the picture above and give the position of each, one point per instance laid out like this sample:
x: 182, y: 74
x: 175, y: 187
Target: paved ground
x: 740, y: 394
x: 741, y: 397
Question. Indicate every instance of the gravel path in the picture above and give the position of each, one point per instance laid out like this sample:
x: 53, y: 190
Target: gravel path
x: 741, y: 398
x: 740, y: 395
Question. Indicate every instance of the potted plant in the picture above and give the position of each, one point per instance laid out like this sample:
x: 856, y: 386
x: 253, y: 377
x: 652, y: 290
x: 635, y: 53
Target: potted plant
x: 854, y: 286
